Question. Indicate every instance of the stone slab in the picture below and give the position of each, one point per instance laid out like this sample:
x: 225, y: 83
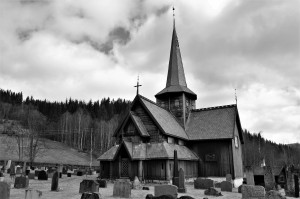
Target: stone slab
x: 166, y: 190
x: 201, y: 183
x: 21, y: 182
x: 253, y: 192
x: 4, y: 190
x: 90, y: 186
x: 226, y: 186
x: 122, y: 189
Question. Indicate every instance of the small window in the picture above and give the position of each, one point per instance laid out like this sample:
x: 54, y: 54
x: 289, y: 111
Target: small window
x: 236, y: 142
x: 177, y: 103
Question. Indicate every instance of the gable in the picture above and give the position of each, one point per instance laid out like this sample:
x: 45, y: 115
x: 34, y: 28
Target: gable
x: 212, y: 123
x: 166, y: 121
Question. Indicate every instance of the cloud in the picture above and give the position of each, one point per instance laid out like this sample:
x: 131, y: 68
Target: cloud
x: 59, y: 49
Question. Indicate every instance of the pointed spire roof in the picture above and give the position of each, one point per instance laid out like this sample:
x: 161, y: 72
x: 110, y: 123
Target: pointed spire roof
x: 176, y: 78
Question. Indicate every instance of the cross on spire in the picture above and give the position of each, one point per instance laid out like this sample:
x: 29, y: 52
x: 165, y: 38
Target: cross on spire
x: 137, y: 86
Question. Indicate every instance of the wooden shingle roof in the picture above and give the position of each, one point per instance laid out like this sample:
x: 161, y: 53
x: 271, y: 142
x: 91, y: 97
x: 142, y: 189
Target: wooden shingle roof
x: 213, y: 123
x: 165, y: 119
x: 144, y: 151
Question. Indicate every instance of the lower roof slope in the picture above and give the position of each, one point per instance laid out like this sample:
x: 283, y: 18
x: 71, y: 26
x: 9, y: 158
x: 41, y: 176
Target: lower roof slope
x: 144, y: 151
x: 212, y: 123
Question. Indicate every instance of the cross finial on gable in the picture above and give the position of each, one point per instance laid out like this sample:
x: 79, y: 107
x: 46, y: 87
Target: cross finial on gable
x: 137, y: 86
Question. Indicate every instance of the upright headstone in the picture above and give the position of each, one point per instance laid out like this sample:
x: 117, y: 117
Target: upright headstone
x: 251, y: 192
x: 249, y: 175
x: 228, y: 177
x: 102, y: 183
x: 90, y: 186
x: 290, y: 184
x: 160, y: 190
x: 18, y: 170
x: 269, y: 178
x: 175, y: 180
x: 42, y: 175
x: 21, y: 182
x: 181, y: 185
x: 33, y: 194
x: 12, y: 169
x: 296, y: 180
x: 136, y: 183
x: 201, y: 183
x: 226, y: 186
x: 122, y: 189
x: 4, y: 190
x: 54, y: 183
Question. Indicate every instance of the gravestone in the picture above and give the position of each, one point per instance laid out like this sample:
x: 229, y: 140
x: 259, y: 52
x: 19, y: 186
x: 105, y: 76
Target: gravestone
x: 33, y: 194
x: 21, y: 182
x: 175, y: 179
x: 201, y: 183
x: 102, y: 183
x: 122, y: 189
x: 31, y: 176
x: 226, y: 186
x: 274, y: 195
x: 90, y: 186
x: 228, y: 178
x: 42, y: 175
x: 181, y: 187
x: 69, y: 175
x: 4, y: 190
x: 136, y: 183
x: 249, y: 176
x: 290, y: 184
x: 212, y: 192
x: 54, y: 183
x: 251, y: 192
x: 36, y: 173
x: 269, y: 178
x: 19, y: 170
x: 79, y: 173
x: 90, y: 196
x: 166, y: 190
x: 12, y: 171
x: 296, y: 180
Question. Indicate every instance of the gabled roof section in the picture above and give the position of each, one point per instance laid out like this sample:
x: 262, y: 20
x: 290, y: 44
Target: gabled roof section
x: 176, y: 78
x: 146, y: 151
x: 165, y: 120
x: 137, y: 123
x: 213, y: 123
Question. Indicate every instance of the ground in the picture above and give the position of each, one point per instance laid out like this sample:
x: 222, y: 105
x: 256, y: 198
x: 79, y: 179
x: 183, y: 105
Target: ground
x: 70, y: 190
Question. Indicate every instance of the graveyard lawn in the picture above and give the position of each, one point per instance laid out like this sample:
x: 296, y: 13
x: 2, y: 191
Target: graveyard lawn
x: 70, y: 190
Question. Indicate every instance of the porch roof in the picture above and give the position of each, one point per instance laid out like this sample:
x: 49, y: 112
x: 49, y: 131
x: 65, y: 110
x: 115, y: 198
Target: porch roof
x: 148, y: 151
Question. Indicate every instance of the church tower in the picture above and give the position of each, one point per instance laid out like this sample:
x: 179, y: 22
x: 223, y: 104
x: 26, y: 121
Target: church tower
x: 176, y: 96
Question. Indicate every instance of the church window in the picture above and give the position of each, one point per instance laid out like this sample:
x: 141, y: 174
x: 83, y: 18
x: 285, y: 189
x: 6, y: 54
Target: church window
x: 236, y: 142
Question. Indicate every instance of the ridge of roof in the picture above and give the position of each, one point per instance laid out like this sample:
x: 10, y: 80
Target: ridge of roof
x: 214, y: 108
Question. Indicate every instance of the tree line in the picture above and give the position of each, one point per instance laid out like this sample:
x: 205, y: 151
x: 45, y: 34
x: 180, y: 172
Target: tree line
x: 89, y: 127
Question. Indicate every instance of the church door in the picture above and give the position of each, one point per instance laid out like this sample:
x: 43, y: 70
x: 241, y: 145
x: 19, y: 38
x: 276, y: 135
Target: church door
x: 124, y: 168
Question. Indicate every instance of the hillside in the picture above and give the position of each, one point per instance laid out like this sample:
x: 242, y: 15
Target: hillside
x: 51, y: 152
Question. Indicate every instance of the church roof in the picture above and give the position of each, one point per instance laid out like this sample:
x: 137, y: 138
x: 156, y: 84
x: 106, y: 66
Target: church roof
x: 213, y: 123
x: 144, y: 151
x: 165, y: 119
x: 176, y: 78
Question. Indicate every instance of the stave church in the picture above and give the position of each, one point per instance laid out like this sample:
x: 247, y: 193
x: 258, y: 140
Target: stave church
x: 207, y: 140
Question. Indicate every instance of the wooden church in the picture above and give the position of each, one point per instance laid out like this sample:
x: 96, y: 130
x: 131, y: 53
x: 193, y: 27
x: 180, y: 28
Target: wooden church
x: 208, y: 140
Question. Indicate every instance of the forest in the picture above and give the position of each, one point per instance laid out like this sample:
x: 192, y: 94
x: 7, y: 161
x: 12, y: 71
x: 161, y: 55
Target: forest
x: 88, y: 126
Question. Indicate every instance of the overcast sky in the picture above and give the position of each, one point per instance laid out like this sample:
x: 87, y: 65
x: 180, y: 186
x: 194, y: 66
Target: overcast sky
x: 57, y: 49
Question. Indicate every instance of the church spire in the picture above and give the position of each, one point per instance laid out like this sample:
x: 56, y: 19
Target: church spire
x: 176, y: 75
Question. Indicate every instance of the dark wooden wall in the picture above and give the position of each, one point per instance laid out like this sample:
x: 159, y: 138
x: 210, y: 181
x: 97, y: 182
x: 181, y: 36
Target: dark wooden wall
x: 237, y: 156
x: 222, y: 150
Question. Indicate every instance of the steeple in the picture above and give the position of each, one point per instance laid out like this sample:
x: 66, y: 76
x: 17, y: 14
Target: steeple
x: 176, y: 78
x: 176, y: 96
